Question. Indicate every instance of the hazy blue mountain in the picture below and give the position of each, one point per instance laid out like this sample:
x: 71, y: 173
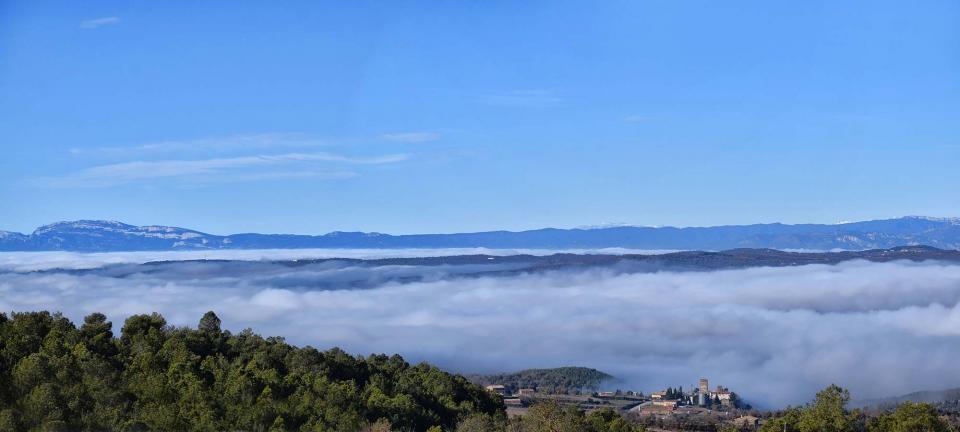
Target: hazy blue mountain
x: 926, y: 396
x: 103, y: 236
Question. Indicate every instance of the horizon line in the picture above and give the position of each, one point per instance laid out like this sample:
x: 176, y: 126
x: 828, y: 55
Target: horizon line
x: 601, y: 226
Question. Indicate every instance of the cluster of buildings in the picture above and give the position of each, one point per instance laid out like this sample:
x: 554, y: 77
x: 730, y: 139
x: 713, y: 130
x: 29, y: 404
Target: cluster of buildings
x: 700, y: 398
x: 510, y: 399
x: 666, y: 402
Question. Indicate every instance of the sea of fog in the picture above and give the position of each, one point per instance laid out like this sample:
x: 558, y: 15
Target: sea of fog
x: 774, y: 335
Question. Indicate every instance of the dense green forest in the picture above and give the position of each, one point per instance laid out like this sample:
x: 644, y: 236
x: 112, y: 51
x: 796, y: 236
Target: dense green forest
x: 55, y: 376
x: 556, y: 380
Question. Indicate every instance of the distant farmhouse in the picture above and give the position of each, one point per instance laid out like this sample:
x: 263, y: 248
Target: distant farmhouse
x: 747, y: 421
x: 498, y: 389
x: 659, y: 407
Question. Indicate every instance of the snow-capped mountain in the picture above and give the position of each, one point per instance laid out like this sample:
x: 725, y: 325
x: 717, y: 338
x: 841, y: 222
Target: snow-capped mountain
x: 105, y: 236
x: 94, y: 235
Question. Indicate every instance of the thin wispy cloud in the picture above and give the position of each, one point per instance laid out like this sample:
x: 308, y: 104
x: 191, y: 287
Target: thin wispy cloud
x: 216, y: 169
x: 259, y: 141
x: 274, y: 175
x: 522, y: 98
x: 411, y: 137
x: 99, y: 22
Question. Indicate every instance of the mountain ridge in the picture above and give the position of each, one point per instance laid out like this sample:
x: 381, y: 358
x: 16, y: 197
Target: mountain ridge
x: 477, y: 265
x: 921, y: 396
x: 108, y: 236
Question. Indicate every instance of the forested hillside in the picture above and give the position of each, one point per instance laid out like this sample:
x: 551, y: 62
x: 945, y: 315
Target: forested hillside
x: 828, y: 412
x: 57, y: 377
x: 556, y: 380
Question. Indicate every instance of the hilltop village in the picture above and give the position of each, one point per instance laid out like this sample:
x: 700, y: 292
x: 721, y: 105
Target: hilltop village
x: 698, y: 400
x: 668, y: 401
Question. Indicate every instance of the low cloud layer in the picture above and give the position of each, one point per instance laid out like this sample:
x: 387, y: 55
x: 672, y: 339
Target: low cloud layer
x: 30, y: 261
x: 774, y: 335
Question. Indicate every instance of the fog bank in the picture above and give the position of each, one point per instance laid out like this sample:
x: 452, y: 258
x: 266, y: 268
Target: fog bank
x: 774, y: 335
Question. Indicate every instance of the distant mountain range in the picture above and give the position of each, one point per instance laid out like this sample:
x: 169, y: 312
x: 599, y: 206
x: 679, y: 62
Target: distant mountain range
x: 109, y: 236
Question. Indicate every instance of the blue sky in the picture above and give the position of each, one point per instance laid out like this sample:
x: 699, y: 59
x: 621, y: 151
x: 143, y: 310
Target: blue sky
x: 401, y: 117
